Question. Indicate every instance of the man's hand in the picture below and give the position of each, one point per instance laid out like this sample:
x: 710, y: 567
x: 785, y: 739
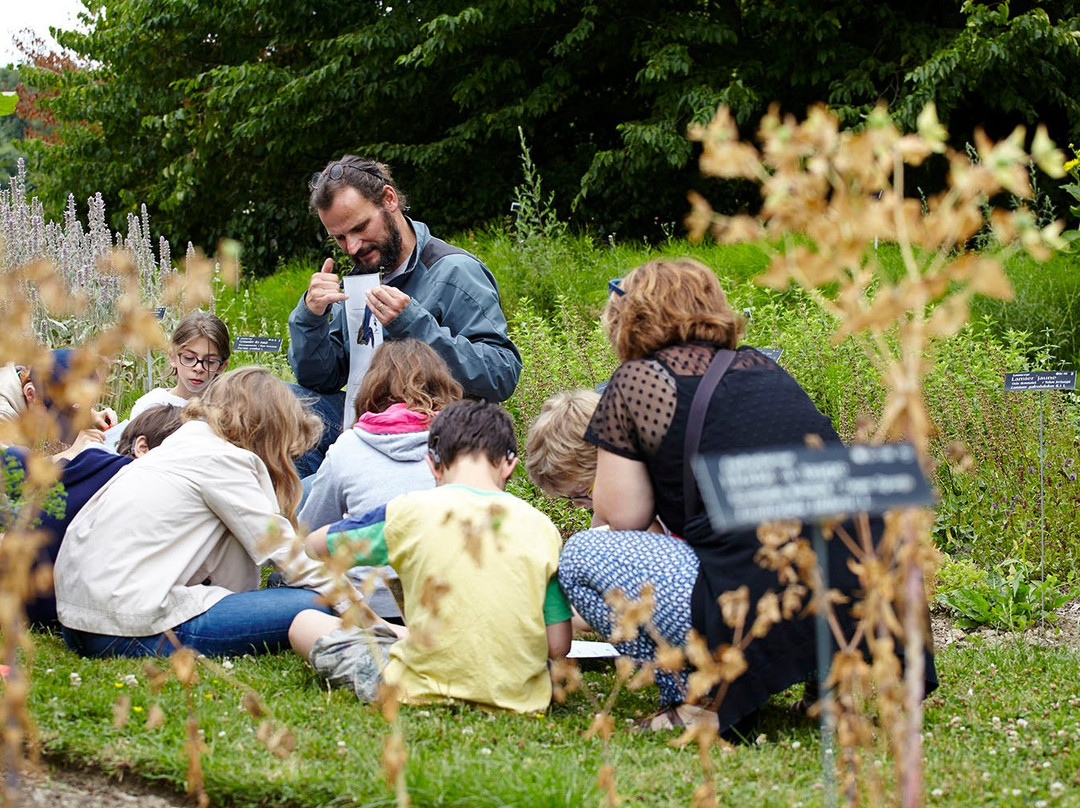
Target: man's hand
x: 324, y: 289
x: 386, y: 302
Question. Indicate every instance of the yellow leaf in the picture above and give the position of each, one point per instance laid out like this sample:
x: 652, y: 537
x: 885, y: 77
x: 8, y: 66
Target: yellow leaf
x: 930, y: 129
x: 394, y: 757
x: 155, y: 717
x: 602, y: 725
x: 183, y: 665
x: 734, y: 606
x: 699, y: 218
x: 1046, y: 155
x: 121, y: 710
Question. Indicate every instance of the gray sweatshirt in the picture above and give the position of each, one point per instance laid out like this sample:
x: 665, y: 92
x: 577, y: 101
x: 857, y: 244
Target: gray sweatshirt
x: 364, y: 470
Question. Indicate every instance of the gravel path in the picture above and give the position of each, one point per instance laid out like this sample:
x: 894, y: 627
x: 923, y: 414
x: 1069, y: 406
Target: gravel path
x: 68, y: 788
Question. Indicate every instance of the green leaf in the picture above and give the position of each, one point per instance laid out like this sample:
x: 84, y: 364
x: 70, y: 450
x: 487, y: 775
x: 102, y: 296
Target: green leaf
x: 8, y: 102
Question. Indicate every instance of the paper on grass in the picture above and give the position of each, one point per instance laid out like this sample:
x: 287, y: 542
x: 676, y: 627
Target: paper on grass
x: 356, y: 287
x: 585, y: 649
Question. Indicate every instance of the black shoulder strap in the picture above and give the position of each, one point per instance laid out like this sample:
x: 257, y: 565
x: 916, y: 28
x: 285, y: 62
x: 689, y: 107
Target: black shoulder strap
x: 436, y: 249
x: 721, y: 361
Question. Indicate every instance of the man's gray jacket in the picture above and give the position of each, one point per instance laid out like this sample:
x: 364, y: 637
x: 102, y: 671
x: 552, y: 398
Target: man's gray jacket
x: 454, y: 309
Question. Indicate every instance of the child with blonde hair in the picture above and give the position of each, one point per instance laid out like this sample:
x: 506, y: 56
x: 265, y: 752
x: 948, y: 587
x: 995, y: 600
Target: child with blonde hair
x: 558, y: 459
x: 171, y: 547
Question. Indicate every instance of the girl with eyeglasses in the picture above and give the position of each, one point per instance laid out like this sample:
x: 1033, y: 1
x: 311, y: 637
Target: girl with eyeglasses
x: 198, y: 354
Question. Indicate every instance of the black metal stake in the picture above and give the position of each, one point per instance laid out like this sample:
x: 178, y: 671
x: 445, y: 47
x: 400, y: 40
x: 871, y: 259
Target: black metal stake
x: 824, y: 662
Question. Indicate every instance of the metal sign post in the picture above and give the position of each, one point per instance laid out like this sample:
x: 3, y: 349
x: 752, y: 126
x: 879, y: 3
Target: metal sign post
x: 740, y: 491
x: 1030, y: 382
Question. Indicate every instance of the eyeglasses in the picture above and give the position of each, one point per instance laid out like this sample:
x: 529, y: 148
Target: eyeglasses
x: 613, y: 287
x: 580, y: 498
x: 337, y: 170
x: 190, y: 360
x: 24, y: 374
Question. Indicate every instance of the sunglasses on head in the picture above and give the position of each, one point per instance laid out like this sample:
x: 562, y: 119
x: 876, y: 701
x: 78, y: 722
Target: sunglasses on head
x: 335, y: 171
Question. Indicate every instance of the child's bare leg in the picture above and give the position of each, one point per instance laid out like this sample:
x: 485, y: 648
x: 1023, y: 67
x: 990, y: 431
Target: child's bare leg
x: 307, y: 627
x: 579, y: 623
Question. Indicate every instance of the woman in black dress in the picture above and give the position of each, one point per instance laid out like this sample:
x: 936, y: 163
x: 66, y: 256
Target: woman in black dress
x: 667, y: 320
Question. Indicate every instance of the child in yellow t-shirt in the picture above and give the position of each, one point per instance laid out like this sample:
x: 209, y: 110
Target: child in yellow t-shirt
x: 477, y: 566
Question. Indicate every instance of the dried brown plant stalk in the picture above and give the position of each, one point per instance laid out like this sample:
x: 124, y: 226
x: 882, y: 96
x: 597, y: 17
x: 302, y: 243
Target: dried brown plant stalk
x: 828, y: 198
x: 355, y: 612
x: 29, y: 292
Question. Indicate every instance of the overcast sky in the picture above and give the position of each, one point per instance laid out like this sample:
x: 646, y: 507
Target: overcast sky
x: 37, y: 15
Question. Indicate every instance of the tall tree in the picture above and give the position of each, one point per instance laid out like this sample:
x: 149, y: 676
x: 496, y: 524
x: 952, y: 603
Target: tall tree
x: 214, y: 114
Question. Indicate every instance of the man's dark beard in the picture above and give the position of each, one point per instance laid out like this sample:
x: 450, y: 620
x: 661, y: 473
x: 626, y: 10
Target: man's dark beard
x: 389, y: 249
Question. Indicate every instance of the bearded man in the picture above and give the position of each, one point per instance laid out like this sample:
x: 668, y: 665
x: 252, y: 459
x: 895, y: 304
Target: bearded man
x: 427, y: 290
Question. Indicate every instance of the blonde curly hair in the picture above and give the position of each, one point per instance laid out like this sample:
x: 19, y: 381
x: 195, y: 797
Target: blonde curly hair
x: 557, y: 455
x: 252, y: 409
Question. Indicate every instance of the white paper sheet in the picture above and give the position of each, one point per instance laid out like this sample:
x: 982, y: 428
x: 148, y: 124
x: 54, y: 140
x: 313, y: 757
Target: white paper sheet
x: 359, y: 351
x: 586, y: 649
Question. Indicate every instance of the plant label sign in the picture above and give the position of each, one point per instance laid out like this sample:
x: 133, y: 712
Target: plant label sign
x: 773, y: 353
x: 743, y: 490
x: 159, y: 312
x: 1041, y: 380
x: 257, y: 344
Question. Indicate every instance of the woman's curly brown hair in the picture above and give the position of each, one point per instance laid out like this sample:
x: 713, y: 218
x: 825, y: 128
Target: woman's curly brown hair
x: 669, y: 301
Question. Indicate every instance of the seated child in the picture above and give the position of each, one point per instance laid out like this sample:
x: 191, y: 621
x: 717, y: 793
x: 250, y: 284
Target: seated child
x: 36, y: 402
x: 558, y: 459
x: 478, y: 567
x: 81, y: 476
x: 198, y: 354
x: 404, y: 388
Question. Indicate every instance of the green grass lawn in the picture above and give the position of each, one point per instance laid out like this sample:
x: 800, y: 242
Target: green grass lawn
x: 1003, y: 729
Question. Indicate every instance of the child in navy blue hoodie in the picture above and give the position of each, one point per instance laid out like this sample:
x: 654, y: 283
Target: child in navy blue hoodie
x: 81, y: 476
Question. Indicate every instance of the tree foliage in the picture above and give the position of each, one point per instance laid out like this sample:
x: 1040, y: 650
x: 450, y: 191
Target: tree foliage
x: 214, y: 114
x: 12, y: 128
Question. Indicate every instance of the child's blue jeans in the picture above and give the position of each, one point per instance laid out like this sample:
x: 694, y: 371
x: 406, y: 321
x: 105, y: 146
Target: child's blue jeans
x: 255, y: 622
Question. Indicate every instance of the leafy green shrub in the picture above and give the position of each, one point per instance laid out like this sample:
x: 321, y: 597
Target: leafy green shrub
x: 989, y: 509
x: 560, y: 353
x: 958, y: 573
x: 1006, y: 598
x: 1046, y: 305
